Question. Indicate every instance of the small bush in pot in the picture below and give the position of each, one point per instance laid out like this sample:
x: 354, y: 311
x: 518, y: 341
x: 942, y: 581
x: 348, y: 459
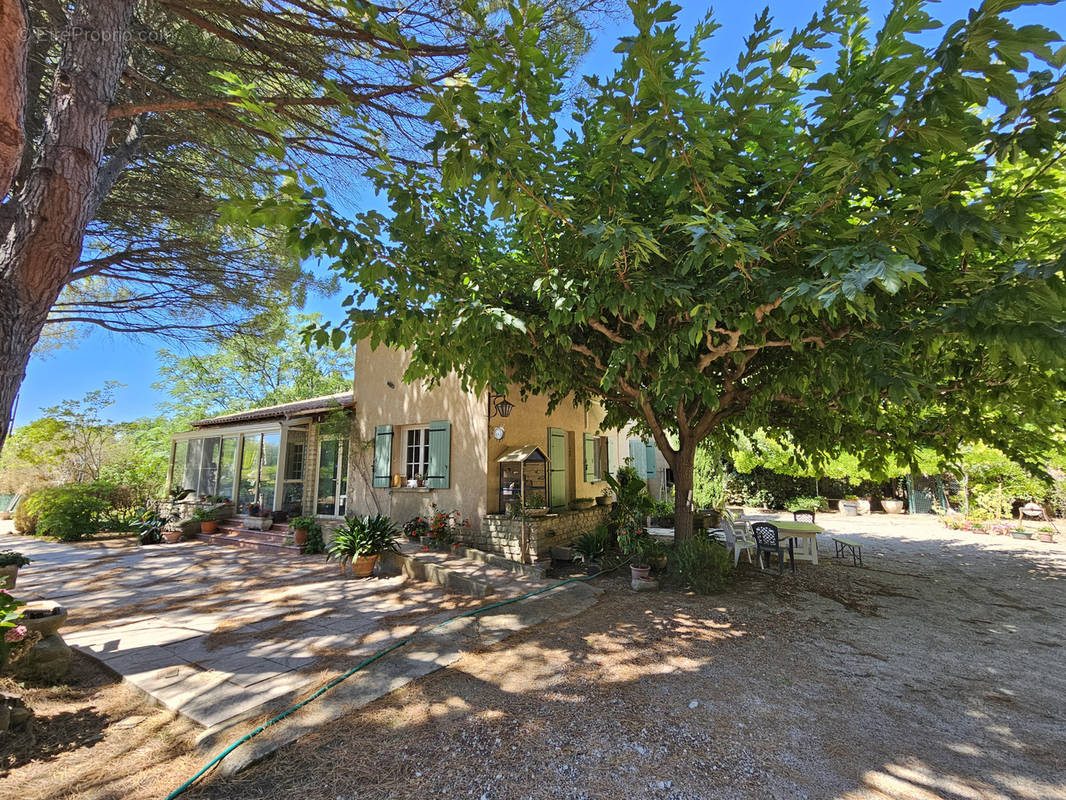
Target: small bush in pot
x: 301, y: 529
x: 207, y: 518
x: 10, y: 562
x: 361, y: 541
x: 636, y: 543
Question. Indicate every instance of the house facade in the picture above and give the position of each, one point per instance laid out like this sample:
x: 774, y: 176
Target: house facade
x: 405, y: 450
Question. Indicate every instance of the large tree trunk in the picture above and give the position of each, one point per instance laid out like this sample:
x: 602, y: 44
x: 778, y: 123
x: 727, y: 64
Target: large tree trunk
x: 683, y: 466
x: 49, y: 214
x: 14, y: 52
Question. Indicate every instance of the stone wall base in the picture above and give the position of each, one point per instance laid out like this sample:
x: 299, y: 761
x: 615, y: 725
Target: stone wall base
x: 502, y: 535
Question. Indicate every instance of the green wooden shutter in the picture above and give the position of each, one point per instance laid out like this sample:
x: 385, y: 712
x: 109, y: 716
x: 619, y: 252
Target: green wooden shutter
x: 382, y: 456
x: 649, y: 454
x: 612, y: 456
x: 440, y: 455
x: 556, y: 467
x: 590, y: 458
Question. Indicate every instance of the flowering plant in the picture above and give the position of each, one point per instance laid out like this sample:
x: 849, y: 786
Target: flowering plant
x: 12, y: 632
x: 444, y: 525
x: 416, y: 526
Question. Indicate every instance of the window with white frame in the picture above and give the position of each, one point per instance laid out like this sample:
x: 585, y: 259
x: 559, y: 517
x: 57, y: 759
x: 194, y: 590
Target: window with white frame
x: 416, y: 452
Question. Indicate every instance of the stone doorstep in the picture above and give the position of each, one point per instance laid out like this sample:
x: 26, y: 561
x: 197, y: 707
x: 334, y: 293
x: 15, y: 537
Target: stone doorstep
x: 431, y: 650
x: 421, y: 570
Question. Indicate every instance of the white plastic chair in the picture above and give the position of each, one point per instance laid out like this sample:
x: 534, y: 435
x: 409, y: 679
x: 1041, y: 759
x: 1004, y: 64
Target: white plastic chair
x: 737, y: 543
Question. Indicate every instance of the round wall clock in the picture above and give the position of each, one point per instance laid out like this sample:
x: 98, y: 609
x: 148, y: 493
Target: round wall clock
x: 497, y: 432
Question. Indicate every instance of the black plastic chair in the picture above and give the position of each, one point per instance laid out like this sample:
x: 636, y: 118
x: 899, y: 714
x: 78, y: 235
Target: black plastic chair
x: 768, y: 540
x: 803, y: 515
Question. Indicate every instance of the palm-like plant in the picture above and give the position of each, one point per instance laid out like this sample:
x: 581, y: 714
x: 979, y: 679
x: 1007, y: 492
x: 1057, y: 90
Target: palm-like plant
x: 363, y: 536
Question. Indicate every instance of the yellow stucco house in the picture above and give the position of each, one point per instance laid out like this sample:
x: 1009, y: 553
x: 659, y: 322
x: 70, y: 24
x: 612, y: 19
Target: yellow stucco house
x: 410, y: 448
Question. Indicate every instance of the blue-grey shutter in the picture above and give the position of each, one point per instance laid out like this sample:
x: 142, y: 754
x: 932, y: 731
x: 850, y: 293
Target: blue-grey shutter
x: 556, y: 467
x: 649, y: 452
x: 382, y: 456
x: 440, y: 449
x: 636, y: 455
x: 590, y: 458
x: 612, y: 456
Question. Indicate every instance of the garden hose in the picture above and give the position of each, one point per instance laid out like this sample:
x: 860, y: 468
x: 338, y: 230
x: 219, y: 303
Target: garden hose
x: 366, y: 662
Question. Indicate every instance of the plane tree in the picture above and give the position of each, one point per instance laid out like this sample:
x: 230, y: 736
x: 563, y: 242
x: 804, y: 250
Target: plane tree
x: 851, y: 235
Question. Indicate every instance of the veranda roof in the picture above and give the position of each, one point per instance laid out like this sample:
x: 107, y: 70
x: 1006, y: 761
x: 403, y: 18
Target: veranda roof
x: 298, y: 408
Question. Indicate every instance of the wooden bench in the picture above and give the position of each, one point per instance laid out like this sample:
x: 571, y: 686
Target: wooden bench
x: 844, y: 546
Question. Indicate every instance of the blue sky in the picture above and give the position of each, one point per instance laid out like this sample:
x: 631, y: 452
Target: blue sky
x: 101, y: 356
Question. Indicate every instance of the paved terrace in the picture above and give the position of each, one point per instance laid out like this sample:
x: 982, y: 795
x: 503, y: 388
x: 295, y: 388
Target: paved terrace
x: 219, y: 633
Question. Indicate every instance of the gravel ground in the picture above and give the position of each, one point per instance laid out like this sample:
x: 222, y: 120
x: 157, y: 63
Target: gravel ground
x: 935, y: 672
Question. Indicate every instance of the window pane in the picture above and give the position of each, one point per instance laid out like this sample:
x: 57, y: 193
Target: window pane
x: 249, y: 469
x: 209, y: 466
x: 226, y: 467
x: 293, y: 490
x: 191, y: 477
x: 343, y: 473
x: 325, y: 503
x: 268, y: 469
x: 177, y: 473
x: 414, y: 443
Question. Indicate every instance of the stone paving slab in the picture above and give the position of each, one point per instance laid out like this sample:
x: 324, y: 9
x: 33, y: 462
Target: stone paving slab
x: 429, y: 651
x: 216, y: 633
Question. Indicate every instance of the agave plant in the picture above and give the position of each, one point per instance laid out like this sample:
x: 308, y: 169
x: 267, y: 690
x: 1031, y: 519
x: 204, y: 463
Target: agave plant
x: 363, y: 536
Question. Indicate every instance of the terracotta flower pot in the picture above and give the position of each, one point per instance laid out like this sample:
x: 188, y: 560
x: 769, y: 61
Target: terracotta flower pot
x: 299, y: 536
x: 208, y: 526
x: 8, y: 576
x: 1049, y: 538
x: 171, y: 537
x: 363, y: 566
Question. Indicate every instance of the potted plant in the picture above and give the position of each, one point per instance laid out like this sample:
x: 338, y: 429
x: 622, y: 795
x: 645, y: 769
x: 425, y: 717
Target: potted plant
x: 10, y: 561
x: 536, y: 505
x: 592, y: 545
x: 301, y: 528
x: 416, y: 527
x: 171, y: 535
x: 206, y: 518
x: 582, y: 503
x: 606, y: 497
x: 1045, y: 533
x: 1021, y: 533
x: 850, y: 505
x: 361, y: 541
x: 636, y: 543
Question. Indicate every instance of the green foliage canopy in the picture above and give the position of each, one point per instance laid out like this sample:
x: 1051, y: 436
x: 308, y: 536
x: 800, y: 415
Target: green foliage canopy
x: 265, y: 365
x: 856, y: 250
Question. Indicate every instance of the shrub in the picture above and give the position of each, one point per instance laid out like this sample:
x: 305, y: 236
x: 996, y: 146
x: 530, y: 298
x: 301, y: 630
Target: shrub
x: 807, y: 504
x: 68, y: 513
x: 26, y: 515
x: 703, y: 565
x: 593, y: 544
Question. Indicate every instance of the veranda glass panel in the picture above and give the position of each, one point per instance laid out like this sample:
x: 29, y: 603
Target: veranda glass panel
x: 177, y: 471
x: 208, y: 467
x: 226, y: 466
x: 191, y: 477
x: 268, y: 470
x: 292, y: 492
x: 249, y: 473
